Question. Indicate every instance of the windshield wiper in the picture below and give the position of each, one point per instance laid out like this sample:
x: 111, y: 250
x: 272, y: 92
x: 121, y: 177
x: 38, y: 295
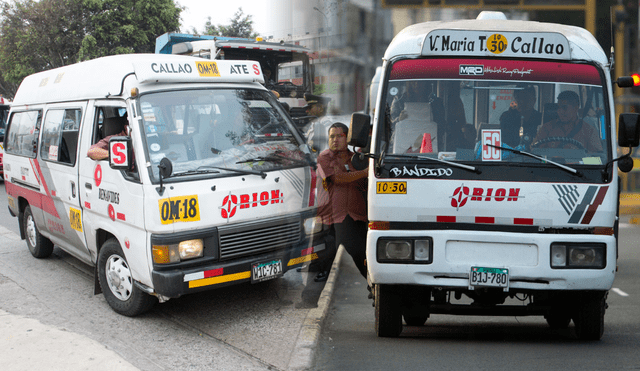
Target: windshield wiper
x: 274, y: 158
x: 561, y: 166
x: 196, y: 171
x: 241, y: 171
x: 455, y: 164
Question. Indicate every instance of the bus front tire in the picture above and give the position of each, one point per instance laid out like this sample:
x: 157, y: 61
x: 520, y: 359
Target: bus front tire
x: 589, y: 317
x: 388, y: 311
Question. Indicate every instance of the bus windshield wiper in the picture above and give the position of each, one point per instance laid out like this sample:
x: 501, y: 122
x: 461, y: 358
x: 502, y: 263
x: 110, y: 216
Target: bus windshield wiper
x: 241, y: 171
x: 455, y: 164
x: 561, y: 166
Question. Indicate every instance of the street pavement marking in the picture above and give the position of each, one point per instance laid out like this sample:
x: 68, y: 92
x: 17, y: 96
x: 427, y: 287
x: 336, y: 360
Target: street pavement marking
x: 619, y: 292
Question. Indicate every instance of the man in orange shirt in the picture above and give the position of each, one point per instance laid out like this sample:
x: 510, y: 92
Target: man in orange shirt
x: 568, y: 125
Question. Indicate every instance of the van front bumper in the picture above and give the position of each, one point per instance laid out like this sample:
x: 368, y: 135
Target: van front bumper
x: 177, y: 282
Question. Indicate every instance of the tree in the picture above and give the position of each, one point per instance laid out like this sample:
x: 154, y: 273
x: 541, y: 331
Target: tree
x: 241, y: 26
x: 40, y: 35
x: 126, y: 26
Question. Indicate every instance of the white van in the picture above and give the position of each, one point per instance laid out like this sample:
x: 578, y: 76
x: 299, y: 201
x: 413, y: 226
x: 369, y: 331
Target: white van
x: 213, y: 186
x: 478, y: 206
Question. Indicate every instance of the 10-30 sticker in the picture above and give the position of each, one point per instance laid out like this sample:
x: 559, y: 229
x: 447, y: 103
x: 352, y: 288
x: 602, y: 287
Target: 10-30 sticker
x: 179, y: 209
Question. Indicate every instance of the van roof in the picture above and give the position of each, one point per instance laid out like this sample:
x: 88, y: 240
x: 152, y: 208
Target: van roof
x: 421, y: 39
x: 105, y: 77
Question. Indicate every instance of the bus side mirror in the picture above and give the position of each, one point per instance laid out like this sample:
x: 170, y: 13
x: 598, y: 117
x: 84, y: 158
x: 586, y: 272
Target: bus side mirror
x: 120, y: 153
x: 359, y: 130
x: 629, y: 130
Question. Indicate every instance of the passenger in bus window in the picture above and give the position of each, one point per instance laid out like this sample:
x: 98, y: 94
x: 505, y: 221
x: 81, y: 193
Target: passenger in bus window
x: 522, y: 116
x: 568, y: 127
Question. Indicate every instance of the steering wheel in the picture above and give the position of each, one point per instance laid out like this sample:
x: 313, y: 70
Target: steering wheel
x: 558, y: 139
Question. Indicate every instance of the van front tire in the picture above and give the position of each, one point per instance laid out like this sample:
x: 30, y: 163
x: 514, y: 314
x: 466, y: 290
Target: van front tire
x: 117, y: 284
x: 39, y: 246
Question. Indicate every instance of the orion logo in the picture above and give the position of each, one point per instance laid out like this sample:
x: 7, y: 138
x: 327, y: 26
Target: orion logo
x: 230, y: 203
x: 460, y: 197
x: 229, y: 206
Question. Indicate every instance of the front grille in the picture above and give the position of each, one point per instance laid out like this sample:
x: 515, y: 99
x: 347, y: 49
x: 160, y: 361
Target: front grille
x: 255, y: 238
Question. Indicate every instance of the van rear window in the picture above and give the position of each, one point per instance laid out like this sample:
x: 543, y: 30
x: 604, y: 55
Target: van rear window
x: 22, y: 134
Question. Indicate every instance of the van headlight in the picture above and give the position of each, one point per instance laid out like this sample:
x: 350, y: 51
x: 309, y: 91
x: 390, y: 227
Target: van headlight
x: 174, y: 253
x: 414, y: 250
x: 578, y: 255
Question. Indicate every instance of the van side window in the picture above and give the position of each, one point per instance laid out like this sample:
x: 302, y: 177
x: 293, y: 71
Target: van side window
x: 60, y: 135
x: 22, y: 135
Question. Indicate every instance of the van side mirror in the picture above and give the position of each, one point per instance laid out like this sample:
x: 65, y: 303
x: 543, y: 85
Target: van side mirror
x: 629, y: 130
x: 359, y: 130
x: 120, y: 153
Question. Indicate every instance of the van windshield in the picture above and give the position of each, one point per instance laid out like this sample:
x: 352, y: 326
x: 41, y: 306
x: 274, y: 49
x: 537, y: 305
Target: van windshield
x: 465, y: 109
x: 242, y: 129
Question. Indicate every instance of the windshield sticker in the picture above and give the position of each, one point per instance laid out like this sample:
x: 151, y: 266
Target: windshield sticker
x: 490, y: 140
x: 462, y: 195
x: 179, y: 209
x: 422, y: 172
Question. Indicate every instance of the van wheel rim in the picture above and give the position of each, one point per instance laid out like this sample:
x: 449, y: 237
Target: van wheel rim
x: 31, y: 231
x: 119, y: 277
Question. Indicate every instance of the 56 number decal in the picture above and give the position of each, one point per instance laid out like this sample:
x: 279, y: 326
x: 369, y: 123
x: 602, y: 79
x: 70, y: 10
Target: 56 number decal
x: 179, y: 209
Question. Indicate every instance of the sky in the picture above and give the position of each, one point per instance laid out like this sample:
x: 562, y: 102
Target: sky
x: 221, y: 12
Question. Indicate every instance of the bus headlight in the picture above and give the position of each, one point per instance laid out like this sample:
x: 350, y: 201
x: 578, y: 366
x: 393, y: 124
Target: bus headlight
x: 576, y: 255
x: 417, y: 250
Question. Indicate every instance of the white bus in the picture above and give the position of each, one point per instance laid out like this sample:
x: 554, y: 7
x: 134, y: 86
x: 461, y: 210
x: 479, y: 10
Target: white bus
x: 474, y: 212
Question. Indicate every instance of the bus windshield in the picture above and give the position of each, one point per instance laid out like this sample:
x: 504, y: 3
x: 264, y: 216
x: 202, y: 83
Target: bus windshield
x: 490, y: 111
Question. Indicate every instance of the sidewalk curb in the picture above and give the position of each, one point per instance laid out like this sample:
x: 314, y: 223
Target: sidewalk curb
x: 302, y: 357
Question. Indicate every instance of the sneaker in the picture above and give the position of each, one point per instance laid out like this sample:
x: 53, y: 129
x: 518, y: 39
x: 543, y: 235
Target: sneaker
x: 322, y: 276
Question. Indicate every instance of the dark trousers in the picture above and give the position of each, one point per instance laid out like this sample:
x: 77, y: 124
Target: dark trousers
x: 352, y: 235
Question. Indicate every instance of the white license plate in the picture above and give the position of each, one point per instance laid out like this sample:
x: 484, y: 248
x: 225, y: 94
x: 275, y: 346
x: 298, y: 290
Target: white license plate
x: 266, y: 270
x: 489, y: 277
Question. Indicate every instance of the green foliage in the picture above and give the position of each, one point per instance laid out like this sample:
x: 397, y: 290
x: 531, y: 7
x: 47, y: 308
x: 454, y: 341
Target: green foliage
x: 241, y: 26
x: 40, y: 35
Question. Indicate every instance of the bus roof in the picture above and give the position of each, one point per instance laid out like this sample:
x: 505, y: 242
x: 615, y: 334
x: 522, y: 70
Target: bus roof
x: 105, y: 77
x: 521, y: 39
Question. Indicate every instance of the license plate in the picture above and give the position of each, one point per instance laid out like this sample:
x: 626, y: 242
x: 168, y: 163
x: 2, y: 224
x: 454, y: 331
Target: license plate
x: 491, y: 277
x: 266, y: 270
